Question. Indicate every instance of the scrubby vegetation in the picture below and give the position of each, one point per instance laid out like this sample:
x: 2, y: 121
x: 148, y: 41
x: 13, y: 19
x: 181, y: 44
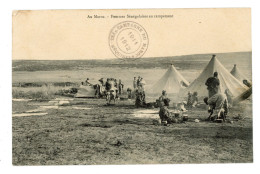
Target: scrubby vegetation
x: 37, y: 93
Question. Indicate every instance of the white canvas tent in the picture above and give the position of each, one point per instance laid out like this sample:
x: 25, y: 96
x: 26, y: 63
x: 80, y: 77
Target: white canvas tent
x: 172, y: 81
x: 238, y: 74
x: 85, y: 91
x: 227, y: 80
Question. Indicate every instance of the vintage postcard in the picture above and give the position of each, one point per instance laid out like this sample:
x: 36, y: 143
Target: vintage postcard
x: 139, y: 86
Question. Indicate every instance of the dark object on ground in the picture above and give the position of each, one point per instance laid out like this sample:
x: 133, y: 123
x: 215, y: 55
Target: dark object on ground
x: 185, y: 117
x: 206, y: 100
x: 118, y: 143
x: 176, y: 114
x: 219, y: 121
x: 151, y: 105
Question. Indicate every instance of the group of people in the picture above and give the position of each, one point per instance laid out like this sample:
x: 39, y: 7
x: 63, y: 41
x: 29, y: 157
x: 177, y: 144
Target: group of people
x: 112, y: 83
x: 218, y: 102
x: 104, y: 87
x: 138, y: 82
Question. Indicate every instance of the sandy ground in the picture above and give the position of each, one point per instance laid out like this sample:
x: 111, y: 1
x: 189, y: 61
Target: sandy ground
x: 86, y: 131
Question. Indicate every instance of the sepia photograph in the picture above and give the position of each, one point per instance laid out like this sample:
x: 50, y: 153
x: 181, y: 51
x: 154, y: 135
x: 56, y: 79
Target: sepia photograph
x: 132, y: 86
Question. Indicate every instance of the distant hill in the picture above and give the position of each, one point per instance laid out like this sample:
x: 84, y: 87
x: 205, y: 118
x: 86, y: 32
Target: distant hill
x: 183, y: 62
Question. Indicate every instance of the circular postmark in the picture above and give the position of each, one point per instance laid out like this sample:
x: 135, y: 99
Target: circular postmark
x: 128, y: 40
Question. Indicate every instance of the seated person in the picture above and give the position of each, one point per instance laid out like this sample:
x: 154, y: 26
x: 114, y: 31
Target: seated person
x: 87, y: 82
x: 218, y: 105
x: 194, y: 99
x: 129, y: 93
x: 163, y: 96
x: 164, y: 112
x: 140, y: 99
x: 189, y: 100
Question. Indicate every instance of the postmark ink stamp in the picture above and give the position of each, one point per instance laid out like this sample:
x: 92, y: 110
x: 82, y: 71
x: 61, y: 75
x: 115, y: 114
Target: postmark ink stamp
x: 128, y: 40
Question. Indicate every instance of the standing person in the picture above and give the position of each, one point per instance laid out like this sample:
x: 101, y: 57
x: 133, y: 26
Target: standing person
x: 135, y: 83
x: 138, y: 81
x: 121, y: 86
x: 141, y: 86
x: 113, y: 83
x: 101, y: 81
x: 142, y: 82
x: 116, y: 84
x: 212, y: 84
x: 108, y: 85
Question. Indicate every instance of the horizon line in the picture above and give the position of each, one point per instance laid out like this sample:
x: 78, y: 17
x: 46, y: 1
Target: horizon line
x: 132, y: 58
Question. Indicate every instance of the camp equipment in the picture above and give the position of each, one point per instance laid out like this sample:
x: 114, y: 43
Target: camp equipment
x: 219, y: 120
x: 164, y: 123
x: 196, y: 121
x: 185, y: 117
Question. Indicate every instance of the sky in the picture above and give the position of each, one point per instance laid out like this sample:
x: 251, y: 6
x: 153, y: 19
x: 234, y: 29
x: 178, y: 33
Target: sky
x: 70, y: 34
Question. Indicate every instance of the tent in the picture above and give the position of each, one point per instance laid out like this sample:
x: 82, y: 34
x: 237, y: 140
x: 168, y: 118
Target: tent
x: 227, y: 80
x: 172, y: 81
x: 85, y: 91
x: 237, y: 74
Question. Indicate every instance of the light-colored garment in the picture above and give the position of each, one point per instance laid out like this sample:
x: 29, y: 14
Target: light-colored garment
x: 135, y: 83
x: 217, y: 100
x: 142, y: 83
x: 88, y: 83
